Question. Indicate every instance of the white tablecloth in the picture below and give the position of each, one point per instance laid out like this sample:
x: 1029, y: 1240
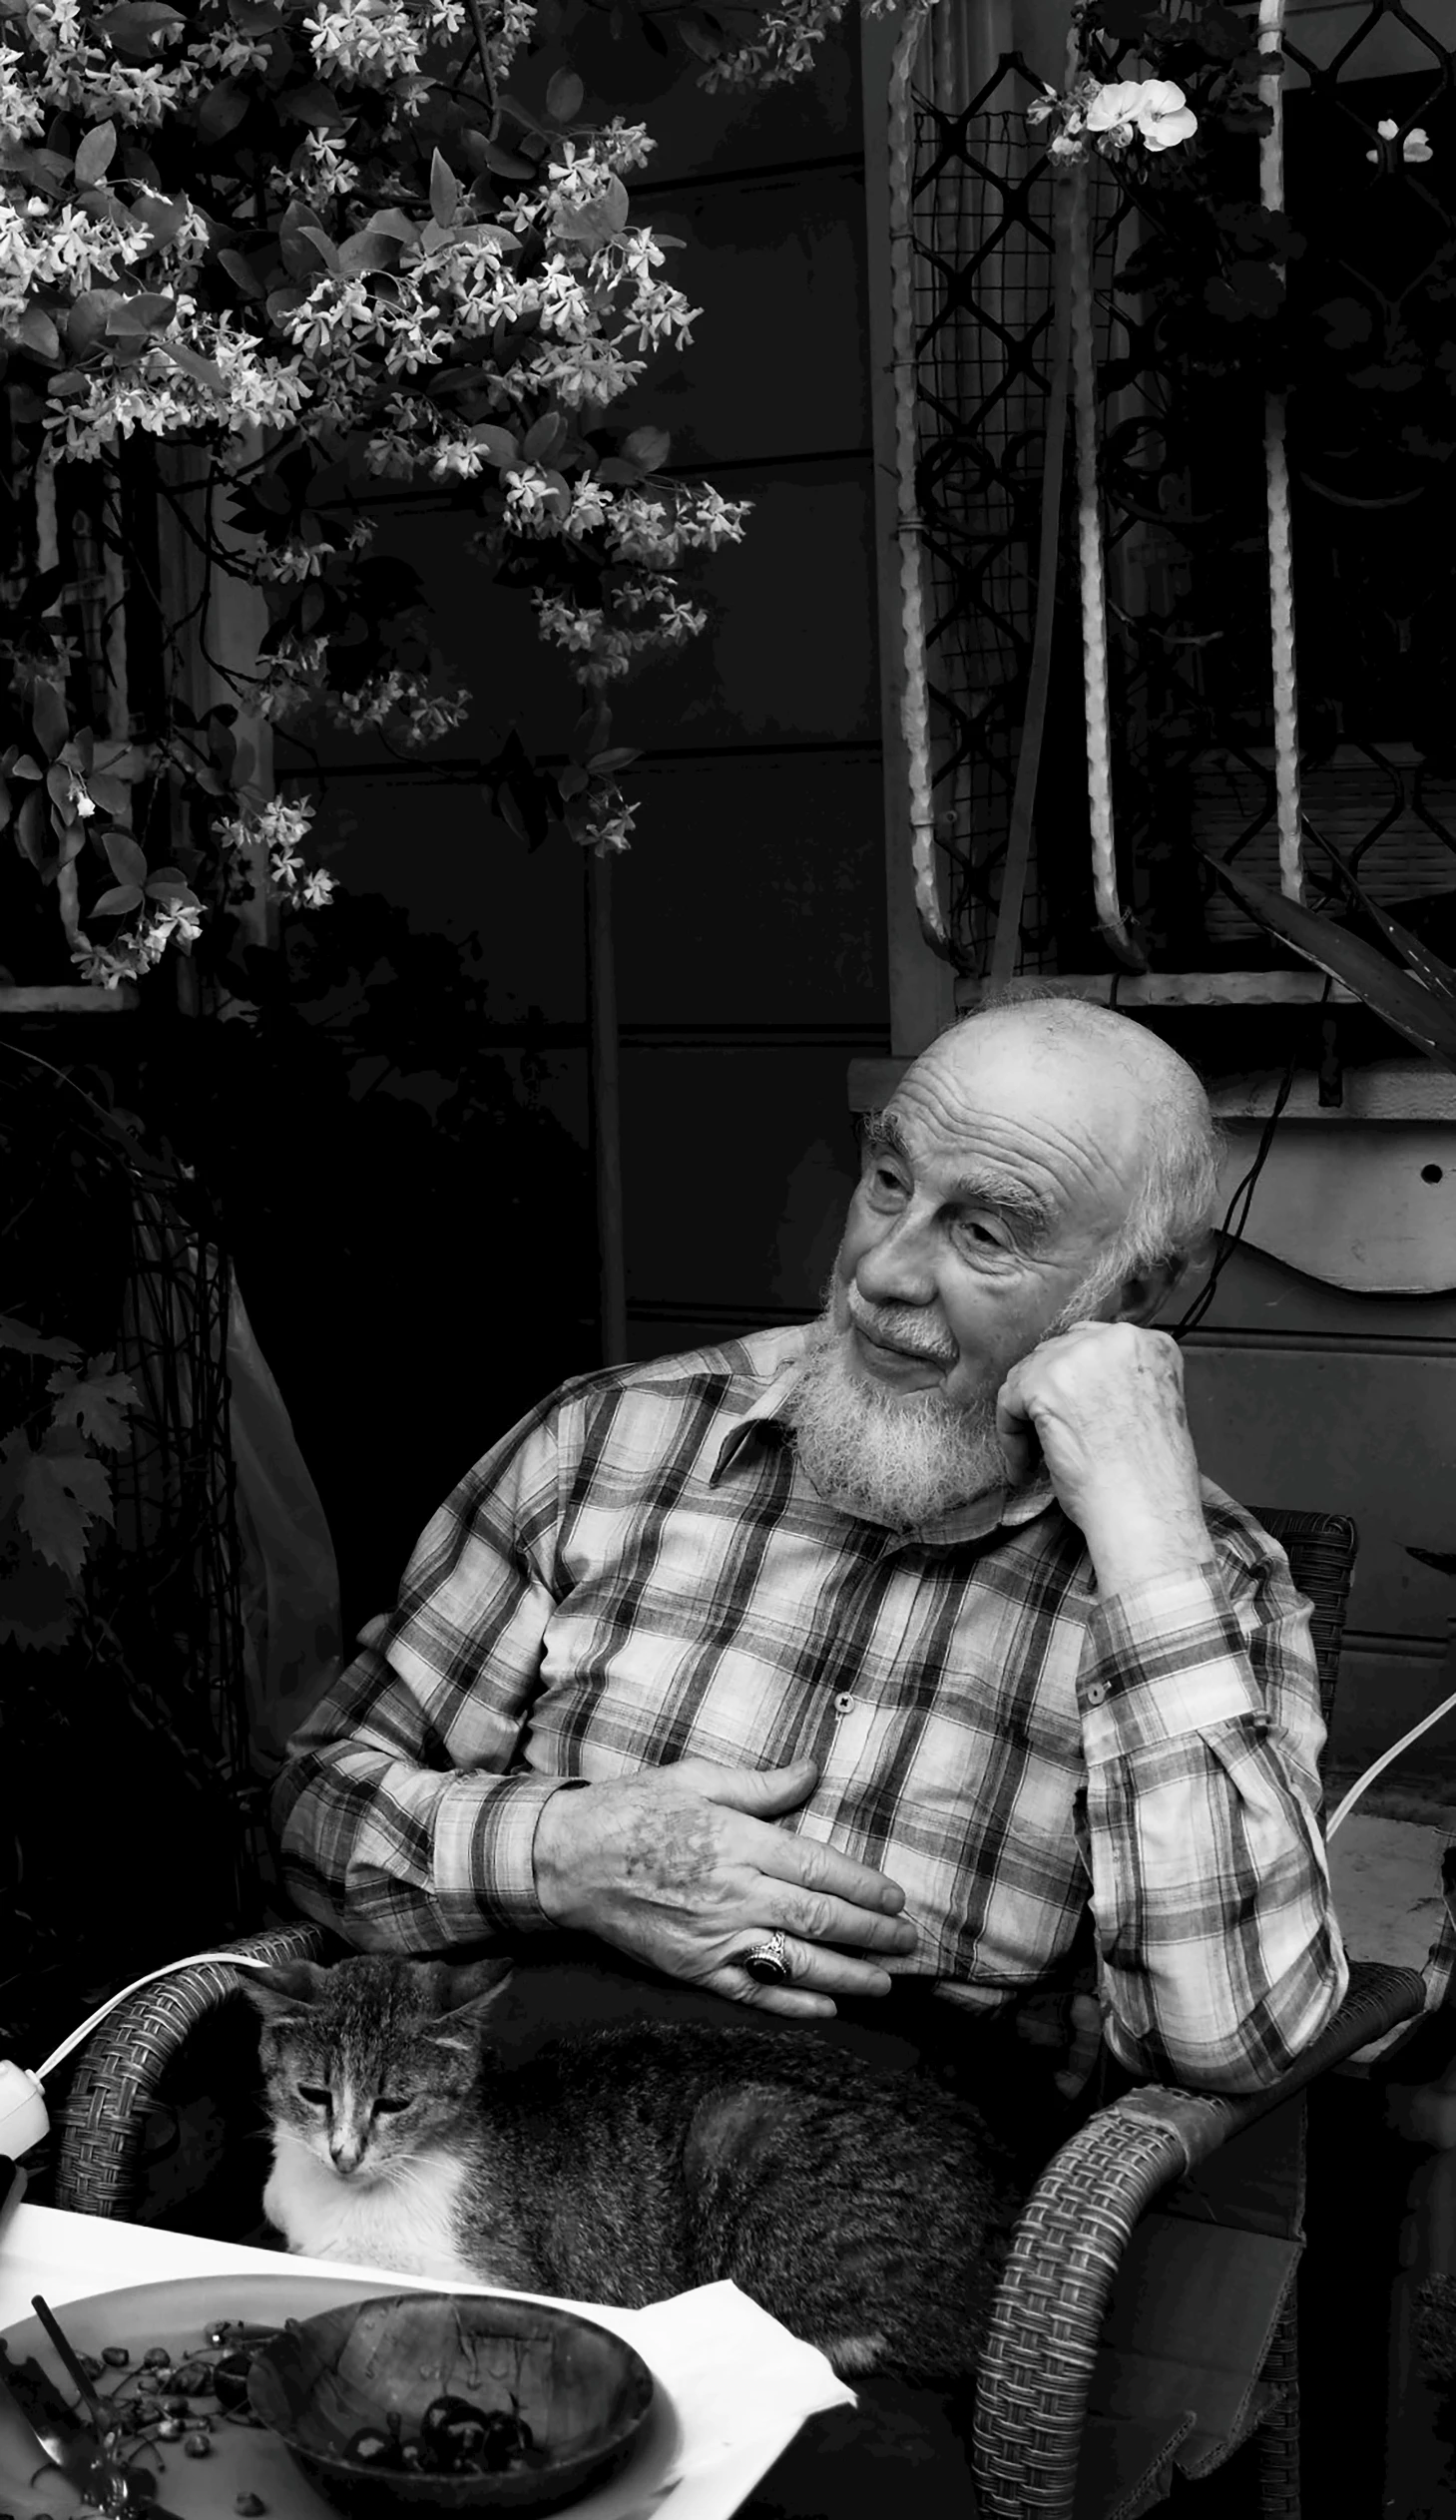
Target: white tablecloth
x: 740, y: 2385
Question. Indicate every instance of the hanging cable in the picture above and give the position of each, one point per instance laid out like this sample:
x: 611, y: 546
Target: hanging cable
x: 1236, y: 1217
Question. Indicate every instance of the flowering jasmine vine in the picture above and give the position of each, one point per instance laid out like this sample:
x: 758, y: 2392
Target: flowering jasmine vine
x: 297, y: 234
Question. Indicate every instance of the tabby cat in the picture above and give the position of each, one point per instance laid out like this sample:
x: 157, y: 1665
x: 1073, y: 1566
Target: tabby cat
x: 628, y: 2163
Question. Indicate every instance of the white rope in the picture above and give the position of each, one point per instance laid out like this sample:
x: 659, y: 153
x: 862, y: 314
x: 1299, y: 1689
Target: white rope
x: 1111, y: 918
x: 916, y: 691
x: 1276, y: 475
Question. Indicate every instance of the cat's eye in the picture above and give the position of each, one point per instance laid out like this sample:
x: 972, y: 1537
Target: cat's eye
x: 391, y: 2108
x: 315, y: 2094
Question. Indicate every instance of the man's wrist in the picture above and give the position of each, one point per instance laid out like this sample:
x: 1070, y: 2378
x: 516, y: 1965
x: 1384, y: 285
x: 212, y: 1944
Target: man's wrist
x: 547, y: 1870
x: 1138, y: 1547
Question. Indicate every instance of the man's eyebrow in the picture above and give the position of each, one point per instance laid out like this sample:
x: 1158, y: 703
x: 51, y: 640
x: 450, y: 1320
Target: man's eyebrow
x: 984, y: 1187
x: 981, y: 1186
x: 882, y: 1129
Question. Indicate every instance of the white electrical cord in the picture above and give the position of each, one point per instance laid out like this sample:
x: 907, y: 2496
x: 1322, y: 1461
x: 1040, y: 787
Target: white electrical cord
x: 1384, y: 1759
x: 195, y: 1960
x: 24, y: 2121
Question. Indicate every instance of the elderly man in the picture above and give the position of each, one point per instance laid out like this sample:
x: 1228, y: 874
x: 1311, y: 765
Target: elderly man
x: 879, y: 1651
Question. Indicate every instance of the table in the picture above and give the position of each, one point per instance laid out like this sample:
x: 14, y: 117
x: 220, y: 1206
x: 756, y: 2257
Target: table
x: 742, y: 2386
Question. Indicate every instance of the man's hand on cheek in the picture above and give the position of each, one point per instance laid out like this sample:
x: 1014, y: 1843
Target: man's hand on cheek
x: 683, y: 1868
x: 1104, y: 1404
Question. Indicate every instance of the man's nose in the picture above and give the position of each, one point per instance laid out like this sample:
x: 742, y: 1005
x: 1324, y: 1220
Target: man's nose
x: 898, y: 1266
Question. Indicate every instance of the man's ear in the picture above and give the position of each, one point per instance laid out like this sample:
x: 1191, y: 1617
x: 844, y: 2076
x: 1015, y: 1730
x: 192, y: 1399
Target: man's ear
x: 284, y: 1991
x: 1140, y: 1300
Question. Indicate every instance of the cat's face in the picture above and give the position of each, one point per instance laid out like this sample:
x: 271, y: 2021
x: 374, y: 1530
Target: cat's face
x: 372, y: 2062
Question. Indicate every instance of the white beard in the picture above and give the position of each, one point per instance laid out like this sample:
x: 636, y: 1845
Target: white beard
x: 901, y: 1460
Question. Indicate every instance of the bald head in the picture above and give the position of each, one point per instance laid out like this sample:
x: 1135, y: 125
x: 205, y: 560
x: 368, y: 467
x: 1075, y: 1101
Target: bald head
x: 1143, y: 1103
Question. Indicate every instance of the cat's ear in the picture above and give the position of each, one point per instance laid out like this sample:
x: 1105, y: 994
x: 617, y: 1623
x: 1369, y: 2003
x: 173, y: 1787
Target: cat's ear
x: 470, y: 1990
x: 283, y: 1992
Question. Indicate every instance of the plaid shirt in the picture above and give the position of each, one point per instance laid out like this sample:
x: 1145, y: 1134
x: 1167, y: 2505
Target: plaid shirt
x: 641, y: 1572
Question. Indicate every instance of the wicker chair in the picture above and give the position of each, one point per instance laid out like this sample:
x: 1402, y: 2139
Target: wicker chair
x: 1042, y: 2446
x: 1055, y: 2435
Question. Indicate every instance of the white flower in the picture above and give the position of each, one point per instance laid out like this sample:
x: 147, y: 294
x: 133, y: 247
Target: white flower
x: 1163, y: 116
x: 1116, y: 104
x: 1415, y: 149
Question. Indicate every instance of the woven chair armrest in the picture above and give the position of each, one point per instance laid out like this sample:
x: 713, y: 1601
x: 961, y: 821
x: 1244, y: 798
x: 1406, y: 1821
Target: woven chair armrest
x: 118, y: 2074
x: 1035, y: 2372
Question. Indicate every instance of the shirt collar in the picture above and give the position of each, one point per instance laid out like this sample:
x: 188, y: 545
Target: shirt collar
x: 1000, y: 1508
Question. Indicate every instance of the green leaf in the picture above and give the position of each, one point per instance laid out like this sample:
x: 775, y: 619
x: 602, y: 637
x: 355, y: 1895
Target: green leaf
x: 238, y: 268
x: 134, y: 27
x: 29, y: 1343
x: 616, y: 759
x: 544, y: 437
x: 193, y: 364
x: 444, y: 192
x: 500, y: 446
x: 48, y: 717
x: 174, y: 888
x: 367, y: 253
x: 1426, y: 1020
x: 32, y: 825
x: 95, y: 153
x: 315, y: 105
x: 394, y: 222
x: 701, y: 34
x: 162, y: 218
x: 221, y: 108
x: 61, y: 1494
x: 564, y: 94
x: 38, y: 333
x: 595, y: 222
x: 127, y: 862
x: 141, y: 313
x: 648, y: 448
x: 86, y: 320
x: 487, y: 155
x: 37, y: 1606
x: 95, y: 1403
x: 117, y: 901
x: 591, y: 731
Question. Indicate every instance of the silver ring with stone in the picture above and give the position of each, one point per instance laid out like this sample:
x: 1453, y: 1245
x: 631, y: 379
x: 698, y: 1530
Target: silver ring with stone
x: 766, y: 1962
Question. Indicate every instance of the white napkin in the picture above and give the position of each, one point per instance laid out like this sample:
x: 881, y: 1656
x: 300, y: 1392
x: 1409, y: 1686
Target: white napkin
x: 742, y: 2386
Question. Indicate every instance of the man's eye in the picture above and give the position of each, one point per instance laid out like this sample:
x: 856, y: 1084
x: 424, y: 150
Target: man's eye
x: 980, y: 1236
x: 315, y: 2096
x: 885, y: 1184
x: 391, y: 2108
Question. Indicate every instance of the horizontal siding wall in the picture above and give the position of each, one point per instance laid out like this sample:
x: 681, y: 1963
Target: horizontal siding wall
x: 1300, y: 1396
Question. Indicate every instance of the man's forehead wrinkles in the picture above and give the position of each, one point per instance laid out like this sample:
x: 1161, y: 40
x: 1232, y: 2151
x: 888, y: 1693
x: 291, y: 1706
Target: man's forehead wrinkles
x: 944, y: 1128
x: 957, y: 1130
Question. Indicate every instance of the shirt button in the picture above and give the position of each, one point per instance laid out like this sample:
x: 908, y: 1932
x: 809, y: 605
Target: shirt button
x: 843, y: 1704
x: 1098, y: 1692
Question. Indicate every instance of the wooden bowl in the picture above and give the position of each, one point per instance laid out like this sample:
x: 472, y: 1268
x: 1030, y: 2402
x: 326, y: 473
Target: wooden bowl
x: 584, y: 2394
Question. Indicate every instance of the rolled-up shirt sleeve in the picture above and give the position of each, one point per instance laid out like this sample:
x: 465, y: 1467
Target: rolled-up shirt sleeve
x: 404, y: 1818
x: 1219, y: 1958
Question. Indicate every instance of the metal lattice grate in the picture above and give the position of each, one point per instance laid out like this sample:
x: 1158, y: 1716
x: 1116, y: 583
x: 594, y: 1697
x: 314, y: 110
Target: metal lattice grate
x: 1372, y: 451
